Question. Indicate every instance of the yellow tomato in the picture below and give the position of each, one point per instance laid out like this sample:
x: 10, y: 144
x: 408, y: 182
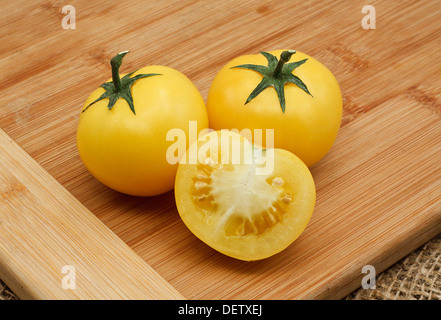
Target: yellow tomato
x: 126, y: 149
x: 305, y: 112
x: 244, y: 201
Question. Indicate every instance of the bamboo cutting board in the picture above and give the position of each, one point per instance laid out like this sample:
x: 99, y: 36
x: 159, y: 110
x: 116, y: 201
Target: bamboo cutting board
x: 378, y: 189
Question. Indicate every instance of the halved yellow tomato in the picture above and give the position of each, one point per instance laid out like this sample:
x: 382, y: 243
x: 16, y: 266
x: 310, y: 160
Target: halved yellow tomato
x: 244, y: 201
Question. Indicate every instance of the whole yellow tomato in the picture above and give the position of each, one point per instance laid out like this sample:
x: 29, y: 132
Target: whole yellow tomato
x: 123, y: 125
x: 301, y: 101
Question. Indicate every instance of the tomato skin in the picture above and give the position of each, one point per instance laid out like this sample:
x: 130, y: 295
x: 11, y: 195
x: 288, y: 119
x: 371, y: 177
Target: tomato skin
x: 310, y: 124
x: 127, y: 152
x: 211, y: 218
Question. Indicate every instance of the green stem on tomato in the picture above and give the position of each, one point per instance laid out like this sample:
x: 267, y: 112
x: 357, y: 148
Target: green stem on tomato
x: 119, y: 87
x: 284, y: 58
x: 276, y: 74
x: 116, y: 62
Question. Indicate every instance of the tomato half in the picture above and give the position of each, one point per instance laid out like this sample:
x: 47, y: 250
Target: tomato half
x: 237, y: 209
x: 305, y: 111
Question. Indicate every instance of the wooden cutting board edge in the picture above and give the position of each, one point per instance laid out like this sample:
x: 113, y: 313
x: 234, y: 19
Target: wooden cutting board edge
x: 351, y: 278
x: 62, y: 230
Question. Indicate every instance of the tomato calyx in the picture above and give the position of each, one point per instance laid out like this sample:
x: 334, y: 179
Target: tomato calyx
x: 119, y: 87
x: 276, y: 75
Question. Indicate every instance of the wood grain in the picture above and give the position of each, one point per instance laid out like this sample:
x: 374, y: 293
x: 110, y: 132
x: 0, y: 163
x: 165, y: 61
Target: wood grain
x: 48, y: 237
x: 378, y: 190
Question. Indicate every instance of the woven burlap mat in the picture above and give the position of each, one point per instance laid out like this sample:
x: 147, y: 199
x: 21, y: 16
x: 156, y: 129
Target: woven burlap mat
x: 416, y: 277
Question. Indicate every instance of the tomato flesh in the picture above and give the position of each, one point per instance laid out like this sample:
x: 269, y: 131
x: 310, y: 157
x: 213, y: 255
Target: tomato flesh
x: 240, y: 212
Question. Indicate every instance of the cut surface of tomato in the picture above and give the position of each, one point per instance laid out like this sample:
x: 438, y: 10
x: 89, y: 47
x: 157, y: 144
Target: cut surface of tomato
x: 244, y: 201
